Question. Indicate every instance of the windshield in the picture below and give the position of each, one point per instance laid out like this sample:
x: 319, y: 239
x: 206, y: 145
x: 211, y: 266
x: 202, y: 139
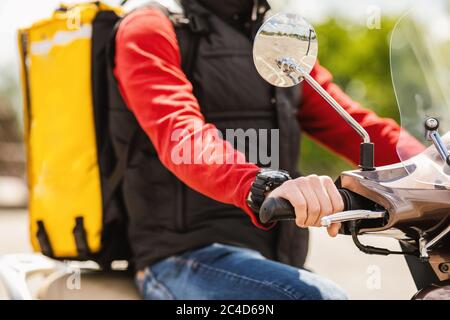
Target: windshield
x: 420, y: 66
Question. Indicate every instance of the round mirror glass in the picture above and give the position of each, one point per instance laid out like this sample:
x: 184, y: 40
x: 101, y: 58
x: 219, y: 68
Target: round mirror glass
x: 285, y: 46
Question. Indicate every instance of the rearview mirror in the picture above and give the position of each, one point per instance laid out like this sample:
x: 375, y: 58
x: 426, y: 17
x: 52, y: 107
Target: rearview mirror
x: 285, y: 52
x: 283, y: 42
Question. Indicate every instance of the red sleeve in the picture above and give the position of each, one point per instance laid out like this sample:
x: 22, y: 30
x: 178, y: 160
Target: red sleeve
x: 159, y: 94
x: 322, y: 123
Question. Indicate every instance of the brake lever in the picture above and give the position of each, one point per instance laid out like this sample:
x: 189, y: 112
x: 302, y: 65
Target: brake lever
x: 351, y: 215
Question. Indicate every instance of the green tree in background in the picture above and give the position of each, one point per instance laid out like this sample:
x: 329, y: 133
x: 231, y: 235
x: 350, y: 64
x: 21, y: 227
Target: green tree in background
x: 359, y: 60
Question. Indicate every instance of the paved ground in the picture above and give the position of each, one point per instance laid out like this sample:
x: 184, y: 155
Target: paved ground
x: 362, y: 276
x: 14, y: 231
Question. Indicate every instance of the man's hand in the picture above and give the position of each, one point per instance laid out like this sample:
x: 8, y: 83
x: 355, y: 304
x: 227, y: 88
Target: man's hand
x: 312, y: 197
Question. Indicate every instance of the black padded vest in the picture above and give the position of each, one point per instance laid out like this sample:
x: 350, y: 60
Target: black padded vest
x: 165, y: 216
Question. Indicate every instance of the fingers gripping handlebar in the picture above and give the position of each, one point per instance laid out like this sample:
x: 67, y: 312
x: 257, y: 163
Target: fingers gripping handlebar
x: 274, y: 209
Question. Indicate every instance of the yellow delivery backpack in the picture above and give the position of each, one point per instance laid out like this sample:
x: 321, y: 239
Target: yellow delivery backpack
x: 73, y: 213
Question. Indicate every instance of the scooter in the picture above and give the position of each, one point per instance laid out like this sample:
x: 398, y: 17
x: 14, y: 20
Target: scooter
x: 408, y: 201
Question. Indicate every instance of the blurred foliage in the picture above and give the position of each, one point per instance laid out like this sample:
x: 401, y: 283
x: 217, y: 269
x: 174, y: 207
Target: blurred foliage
x: 359, y: 60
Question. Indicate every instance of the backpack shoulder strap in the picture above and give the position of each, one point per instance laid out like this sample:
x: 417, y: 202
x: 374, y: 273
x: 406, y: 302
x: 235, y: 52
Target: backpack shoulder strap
x: 189, y: 30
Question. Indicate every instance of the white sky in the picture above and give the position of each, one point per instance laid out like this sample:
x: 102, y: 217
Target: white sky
x: 19, y: 13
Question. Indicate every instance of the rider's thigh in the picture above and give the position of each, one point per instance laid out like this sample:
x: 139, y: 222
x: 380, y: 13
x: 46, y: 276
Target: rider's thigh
x: 228, y: 272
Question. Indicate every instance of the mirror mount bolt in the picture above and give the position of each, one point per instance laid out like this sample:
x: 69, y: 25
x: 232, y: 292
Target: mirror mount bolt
x: 432, y: 134
x: 431, y: 124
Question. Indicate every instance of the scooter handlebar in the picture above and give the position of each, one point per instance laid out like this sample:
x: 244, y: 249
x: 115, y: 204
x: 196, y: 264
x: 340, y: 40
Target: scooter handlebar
x: 274, y: 209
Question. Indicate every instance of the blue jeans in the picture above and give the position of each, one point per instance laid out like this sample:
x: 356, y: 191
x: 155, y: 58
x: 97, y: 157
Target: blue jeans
x: 222, y: 272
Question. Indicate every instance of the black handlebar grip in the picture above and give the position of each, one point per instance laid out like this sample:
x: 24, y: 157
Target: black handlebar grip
x: 274, y: 209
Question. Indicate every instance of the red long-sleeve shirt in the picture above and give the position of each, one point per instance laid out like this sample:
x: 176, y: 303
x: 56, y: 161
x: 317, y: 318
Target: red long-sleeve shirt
x: 154, y: 86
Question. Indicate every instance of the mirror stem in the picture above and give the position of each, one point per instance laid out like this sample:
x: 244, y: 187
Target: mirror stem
x: 367, y: 148
x: 337, y: 107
